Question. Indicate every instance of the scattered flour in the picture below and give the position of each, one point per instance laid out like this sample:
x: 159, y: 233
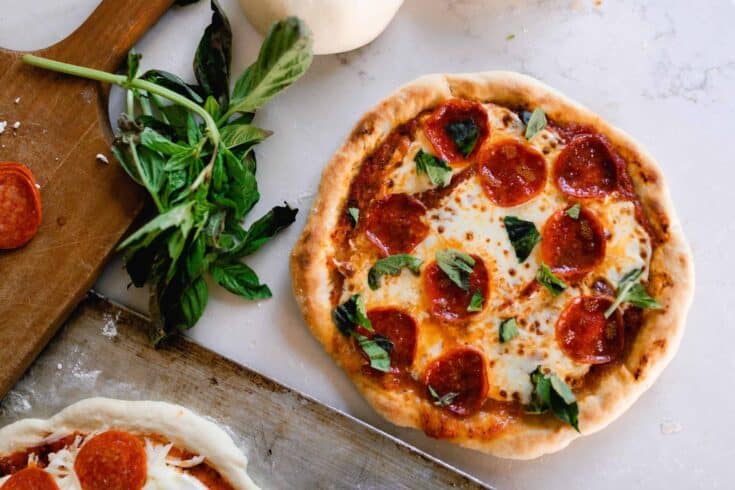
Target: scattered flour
x: 669, y: 427
x: 3, y: 125
x: 109, y: 329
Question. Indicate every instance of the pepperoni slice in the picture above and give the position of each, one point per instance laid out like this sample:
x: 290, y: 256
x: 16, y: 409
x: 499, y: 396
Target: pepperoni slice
x: 395, y: 224
x: 20, y: 205
x: 112, y: 460
x: 30, y: 479
x: 456, y: 113
x: 585, y: 335
x: 460, y: 372
x: 511, y: 173
x: 400, y: 328
x: 588, y: 167
x: 449, y: 302
x: 572, y: 247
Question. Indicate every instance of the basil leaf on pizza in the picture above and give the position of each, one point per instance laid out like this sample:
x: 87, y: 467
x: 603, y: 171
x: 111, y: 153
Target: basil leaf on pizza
x: 456, y: 265
x: 354, y: 214
x: 392, y: 266
x: 573, y: 212
x: 377, y: 349
x: 476, y: 302
x: 552, y: 394
x: 508, y: 329
x: 523, y: 235
x: 630, y: 290
x: 436, y: 169
x: 535, y: 123
x: 464, y: 133
x: 444, y: 400
x: 547, y: 279
x: 350, y: 314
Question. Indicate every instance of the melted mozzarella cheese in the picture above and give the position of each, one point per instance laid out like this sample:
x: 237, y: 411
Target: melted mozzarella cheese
x: 468, y: 221
x: 163, y: 472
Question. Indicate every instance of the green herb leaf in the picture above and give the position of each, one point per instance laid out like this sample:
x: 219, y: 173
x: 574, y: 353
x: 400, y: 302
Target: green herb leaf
x: 239, y: 135
x: 630, y: 290
x: 536, y: 123
x: 508, y: 329
x: 551, y: 393
x: 444, y: 400
x: 547, y: 279
x: 377, y: 349
x: 476, y: 302
x: 392, y: 266
x: 265, y: 228
x: 574, y: 211
x: 239, y: 279
x: 523, y: 235
x: 354, y: 214
x: 193, y: 301
x: 157, y: 142
x: 457, y: 266
x: 213, y: 56
x: 284, y: 56
x: 176, y: 217
x: 436, y: 169
x: 173, y: 82
x: 133, y: 63
x: 350, y: 314
x: 464, y: 133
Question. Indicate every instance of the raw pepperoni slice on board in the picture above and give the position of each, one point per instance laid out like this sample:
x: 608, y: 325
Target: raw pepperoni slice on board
x: 585, y: 335
x: 30, y: 479
x: 572, y: 247
x: 395, y: 224
x: 20, y: 206
x: 511, y: 173
x: 457, y: 130
x: 112, y: 460
x: 458, y: 380
x: 448, y: 301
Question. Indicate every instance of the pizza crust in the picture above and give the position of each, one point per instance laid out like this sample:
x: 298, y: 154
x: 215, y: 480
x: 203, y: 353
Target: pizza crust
x: 671, y: 279
x: 181, y: 426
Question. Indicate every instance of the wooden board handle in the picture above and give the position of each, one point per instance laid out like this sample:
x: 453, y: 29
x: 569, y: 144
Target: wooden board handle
x: 105, y: 38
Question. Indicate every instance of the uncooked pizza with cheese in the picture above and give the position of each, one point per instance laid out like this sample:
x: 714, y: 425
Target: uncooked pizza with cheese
x: 494, y: 264
x: 104, y: 444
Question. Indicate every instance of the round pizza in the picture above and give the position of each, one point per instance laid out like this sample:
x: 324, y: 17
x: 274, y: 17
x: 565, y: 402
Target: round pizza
x: 104, y: 444
x: 494, y: 264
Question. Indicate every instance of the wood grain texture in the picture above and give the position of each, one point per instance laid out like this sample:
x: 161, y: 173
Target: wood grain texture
x: 291, y: 441
x: 87, y: 205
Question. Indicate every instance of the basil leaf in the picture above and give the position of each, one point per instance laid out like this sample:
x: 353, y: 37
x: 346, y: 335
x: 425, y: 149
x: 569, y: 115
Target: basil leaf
x: 444, y: 400
x: 157, y: 142
x: 547, y: 278
x: 265, y: 228
x: 179, y: 161
x: 284, y: 56
x: 213, y: 108
x: 457, y: 266
x: 378, y: 350
x: 354, y: 214
x: 464, y: 133
x: 536, y: 123
x: 550, y: 393
x: 508, y: 329
x: 238, y: 135
x: 574, y: 211
x: 630, y: 290
x: 392, y: 266
x: 523, y: 235
x: 213, y: 57
x: 476, y: 302
x: 173, y: 83
x: 133, y: 63
x: 350, y: 314
x: 436, y: 169
x: 192, y: 302
x: 179, y: 216
x: 239, y: 279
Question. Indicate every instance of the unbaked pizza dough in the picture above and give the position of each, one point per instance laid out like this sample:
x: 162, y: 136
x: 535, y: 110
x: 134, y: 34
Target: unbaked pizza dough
x: 338, y: 25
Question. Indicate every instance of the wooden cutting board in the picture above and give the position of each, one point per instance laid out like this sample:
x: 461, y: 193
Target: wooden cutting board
x: 292, y: 442
x: 87, y: 205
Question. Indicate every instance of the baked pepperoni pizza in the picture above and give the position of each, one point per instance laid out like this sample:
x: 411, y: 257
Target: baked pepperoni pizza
x: 103, y: 444
x: 494, y: 264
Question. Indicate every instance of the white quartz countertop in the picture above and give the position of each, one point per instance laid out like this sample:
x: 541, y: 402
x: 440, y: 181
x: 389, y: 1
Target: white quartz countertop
x: 663, y: 70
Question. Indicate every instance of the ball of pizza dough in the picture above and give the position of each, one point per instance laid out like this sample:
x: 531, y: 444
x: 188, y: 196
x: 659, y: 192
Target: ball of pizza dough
x: 338, y: 25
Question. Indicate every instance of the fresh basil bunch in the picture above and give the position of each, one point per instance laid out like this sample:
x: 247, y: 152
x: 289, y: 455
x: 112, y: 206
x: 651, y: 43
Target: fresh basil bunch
x: 191, y: 147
